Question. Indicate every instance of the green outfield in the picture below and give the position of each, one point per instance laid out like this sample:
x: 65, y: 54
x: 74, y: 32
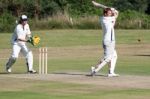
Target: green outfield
x: 71, y: 53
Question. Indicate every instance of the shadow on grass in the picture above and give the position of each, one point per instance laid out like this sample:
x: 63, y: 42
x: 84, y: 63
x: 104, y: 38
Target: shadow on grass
x: 142, y: 55
x: 82, y: 74
x: 58, y: 73
x: 16, y: 73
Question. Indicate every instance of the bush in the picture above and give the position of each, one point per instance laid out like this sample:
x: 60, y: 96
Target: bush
x: 126, y: 20
x: 7, y: 22
x: 65, y: 22
x: 133, y: 20
x: 90, y: 22
x: 55, y: 22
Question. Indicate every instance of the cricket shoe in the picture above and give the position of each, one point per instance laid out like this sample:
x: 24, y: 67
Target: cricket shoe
x: 32, y: 71
x: 113, y: 75
x: 8, y: 70
x: 93, y: 73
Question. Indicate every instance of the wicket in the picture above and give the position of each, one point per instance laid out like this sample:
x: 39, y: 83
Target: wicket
x: 43, y: 60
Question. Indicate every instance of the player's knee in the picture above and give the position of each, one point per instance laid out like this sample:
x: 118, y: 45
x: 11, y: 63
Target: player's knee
x: 11, y: 61
x: 29, y: 54
x: 106, y: 59
x: 115, y: 55
x: 14, y: 58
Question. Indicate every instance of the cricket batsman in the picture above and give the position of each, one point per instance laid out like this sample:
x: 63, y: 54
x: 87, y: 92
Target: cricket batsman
x: 21, y: 35
x: 110, y: 56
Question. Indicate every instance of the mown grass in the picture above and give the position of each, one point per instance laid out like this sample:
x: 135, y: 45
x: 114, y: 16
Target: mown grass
x: 82, y: 60
x: 54, y: 90
x: 64, y: 38
x: 66, y: 53
x: 59, y: 90
x: 71, y: 39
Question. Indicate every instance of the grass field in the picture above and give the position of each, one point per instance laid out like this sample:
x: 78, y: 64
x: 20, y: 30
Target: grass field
x: 70, y: 55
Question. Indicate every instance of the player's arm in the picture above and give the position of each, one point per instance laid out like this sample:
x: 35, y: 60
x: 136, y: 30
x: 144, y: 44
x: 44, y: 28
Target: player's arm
x: 28, y: 31
x: 23, y: 40
x: 115, y: 12
x: 28, y: 35
x: 20, y: 37
x: 26, y: 39
x: 98, y: 5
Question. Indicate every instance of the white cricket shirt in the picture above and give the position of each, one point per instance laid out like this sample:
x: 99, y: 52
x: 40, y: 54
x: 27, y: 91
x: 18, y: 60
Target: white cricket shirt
x: 108, y: 28
x: 20, y: 32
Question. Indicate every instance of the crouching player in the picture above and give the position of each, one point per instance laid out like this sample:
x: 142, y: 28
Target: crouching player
x: 20, y: 37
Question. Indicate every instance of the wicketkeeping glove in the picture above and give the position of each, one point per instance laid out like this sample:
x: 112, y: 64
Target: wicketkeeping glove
x: 34, y: 40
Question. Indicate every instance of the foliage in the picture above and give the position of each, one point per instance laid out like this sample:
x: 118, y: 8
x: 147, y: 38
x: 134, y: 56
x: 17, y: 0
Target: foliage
x: 136, y: 5
x: 133, y: 20
x: 7, y: 22
x: 40, y: 11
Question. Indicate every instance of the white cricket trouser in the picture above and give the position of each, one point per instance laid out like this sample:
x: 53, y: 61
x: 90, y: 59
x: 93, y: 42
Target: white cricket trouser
x: 113, y: 63
x: 109, y: 49
x: 17, y: 48
x: 110, y: 55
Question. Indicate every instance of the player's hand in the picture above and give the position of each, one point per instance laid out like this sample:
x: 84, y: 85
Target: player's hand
x: 34, y: 40
x: 30, y: 40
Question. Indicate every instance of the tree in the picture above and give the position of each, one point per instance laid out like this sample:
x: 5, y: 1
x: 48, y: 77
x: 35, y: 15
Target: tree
x: 148, y: 8
x: 137, y: 5
x: 81, y: 7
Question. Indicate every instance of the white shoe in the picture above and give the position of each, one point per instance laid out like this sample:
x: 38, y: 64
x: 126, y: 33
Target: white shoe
x: 93, y: 71
x: 113, y: 75
x: 32, y: 71
x: 8, y: 70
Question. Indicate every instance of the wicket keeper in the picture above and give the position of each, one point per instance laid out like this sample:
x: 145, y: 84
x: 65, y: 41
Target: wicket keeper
x: 21, y: 35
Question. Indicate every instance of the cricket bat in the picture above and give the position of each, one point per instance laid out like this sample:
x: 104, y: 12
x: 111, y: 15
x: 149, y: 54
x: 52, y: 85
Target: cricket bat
x: 99, y: 5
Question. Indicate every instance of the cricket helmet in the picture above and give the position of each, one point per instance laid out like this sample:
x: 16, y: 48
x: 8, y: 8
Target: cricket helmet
x: 23, y: 18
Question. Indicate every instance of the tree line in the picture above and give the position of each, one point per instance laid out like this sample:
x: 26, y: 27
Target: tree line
x: 77, y: 10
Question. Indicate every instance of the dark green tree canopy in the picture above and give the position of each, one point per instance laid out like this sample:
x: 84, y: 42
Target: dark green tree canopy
x: 136, y: 11
x: 43, y: 8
